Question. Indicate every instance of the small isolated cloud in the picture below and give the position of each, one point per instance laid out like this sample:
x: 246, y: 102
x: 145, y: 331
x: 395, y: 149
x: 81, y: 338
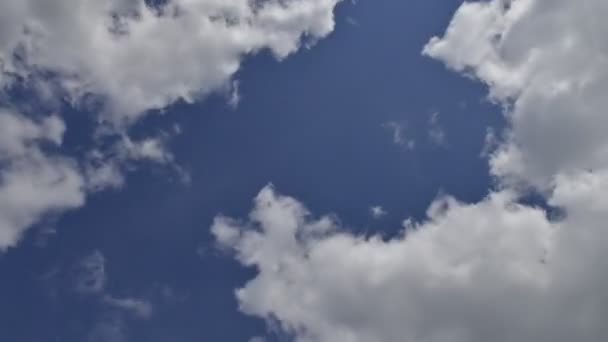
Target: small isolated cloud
x: 352, y: 21
x: 90, y: 279
x: 138, y: 307
x: 377, y: 212
x: 44, y: 235
x: 107, y: 168
x: 398, y: 134
x: 90, y: 274
x: 436, y: 132
x: 169, y: 295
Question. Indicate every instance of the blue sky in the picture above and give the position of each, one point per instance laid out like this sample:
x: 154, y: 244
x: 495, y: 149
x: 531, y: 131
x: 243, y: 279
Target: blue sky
x: 314, y: 126
x: 359, y: 119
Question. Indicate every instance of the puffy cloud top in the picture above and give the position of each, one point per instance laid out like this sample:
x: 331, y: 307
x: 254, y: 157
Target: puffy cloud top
x: 136, y: 56
x: 547, y: 62
x: 495, y: 270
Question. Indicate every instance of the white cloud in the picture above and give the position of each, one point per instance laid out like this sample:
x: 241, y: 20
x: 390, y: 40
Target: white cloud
x: 126, y: 58
x: 138, y: 307
x: 352, y: 21
x: 33, y: 182
x: 491, y: 143
x: 36, y: 180
x: 107, y: 168
x: 90, y: 275
x: 436, y: 131
x: 547, y: 62
x: 91, y: 279
x: 377, y: 212
x: 152, y: 149
x: 136, y: 57
x: 398, y: 134
x: 103, y: 172
x: 496, y: 270
x: 234, y: 94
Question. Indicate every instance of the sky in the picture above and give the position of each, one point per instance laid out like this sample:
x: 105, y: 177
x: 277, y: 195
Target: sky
x: 303, y: 170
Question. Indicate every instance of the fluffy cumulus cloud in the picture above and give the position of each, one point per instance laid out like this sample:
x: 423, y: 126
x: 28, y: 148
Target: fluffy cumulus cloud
x: 136, y: 55
x: 33, y: 180
x: 546, y: 61
x: 120, y: 59
x: 496, y: 270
